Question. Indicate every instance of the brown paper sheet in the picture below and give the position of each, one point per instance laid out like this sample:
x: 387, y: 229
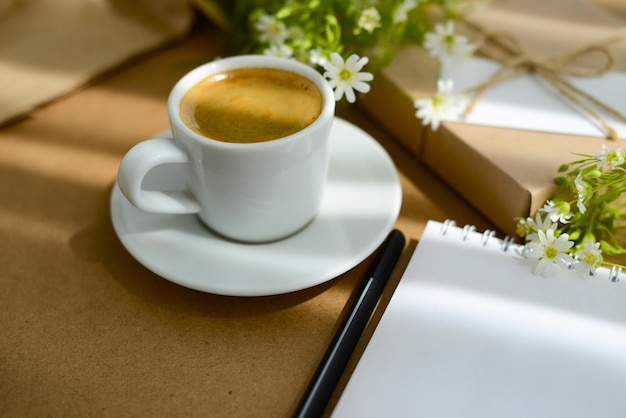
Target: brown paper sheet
x: 51, y: 47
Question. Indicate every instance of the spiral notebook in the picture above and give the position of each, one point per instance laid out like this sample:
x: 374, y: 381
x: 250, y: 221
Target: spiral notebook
x: 470, y: 331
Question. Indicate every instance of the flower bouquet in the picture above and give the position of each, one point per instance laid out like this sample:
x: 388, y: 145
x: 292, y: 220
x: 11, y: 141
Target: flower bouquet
x: 585, y: 218
x: 348, y: 41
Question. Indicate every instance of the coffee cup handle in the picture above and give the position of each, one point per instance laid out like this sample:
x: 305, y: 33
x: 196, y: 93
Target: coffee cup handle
x: 138, y: 161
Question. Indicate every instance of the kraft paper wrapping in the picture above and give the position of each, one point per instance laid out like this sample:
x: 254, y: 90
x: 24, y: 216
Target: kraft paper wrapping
x: 504, y: 173
x: 51, y: 47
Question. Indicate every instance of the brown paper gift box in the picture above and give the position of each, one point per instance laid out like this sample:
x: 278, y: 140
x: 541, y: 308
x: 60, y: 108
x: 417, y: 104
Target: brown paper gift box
x: 504, y: 173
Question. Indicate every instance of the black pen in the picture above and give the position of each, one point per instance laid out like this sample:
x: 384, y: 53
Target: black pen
x: 342, y: 346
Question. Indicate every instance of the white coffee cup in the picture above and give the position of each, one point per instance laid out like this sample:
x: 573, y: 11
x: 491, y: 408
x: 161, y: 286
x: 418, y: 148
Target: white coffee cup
x: 251, y: 192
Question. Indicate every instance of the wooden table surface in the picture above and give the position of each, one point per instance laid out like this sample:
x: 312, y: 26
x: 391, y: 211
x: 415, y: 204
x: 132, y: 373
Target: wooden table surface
x: 86, y: 330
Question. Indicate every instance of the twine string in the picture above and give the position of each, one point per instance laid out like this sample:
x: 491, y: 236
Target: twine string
x: 515, y: 61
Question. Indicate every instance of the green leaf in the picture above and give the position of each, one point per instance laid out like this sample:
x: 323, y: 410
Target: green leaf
x: 561, y: 180
x: 574, y: 235
x: 610, y: 249
x: 284, y: 13
x: 563, y: 168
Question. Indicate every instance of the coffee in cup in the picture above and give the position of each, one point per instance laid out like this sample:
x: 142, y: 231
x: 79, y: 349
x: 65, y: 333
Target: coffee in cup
x: 252, y: 133
x: 251, y: 105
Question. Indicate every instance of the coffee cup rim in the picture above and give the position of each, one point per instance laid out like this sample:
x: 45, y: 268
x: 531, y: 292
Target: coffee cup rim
x: 249, y: 61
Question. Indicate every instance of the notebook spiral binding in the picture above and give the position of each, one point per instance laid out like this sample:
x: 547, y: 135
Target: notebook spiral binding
x: 486, y: 236
x: 615, y: 273
x: 508, y: 242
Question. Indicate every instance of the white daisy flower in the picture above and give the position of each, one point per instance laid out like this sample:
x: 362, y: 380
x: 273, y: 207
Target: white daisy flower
x: 444, y: 43
x: 345, y: 77
x: 271, y: 30
x: 583, y: 190
x: 610, y: 157
x: 280, y: 51
x: 369, y: 20
x: 444, y: 103
x: 317, y: 57
x: 523, y: 227
x: 550, y: 252
x: 401, y: 13
x: 532, y: 226
x: 557, y: 212
x: 588, y: 258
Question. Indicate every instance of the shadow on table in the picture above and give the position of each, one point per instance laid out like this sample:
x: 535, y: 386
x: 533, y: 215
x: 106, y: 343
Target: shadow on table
x: 100, y: 243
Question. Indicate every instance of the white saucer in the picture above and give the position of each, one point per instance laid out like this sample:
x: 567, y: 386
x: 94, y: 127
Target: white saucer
x: 360, y: 205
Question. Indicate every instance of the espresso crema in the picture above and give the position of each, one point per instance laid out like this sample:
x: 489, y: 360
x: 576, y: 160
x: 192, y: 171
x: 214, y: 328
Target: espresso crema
x: 251, y: 105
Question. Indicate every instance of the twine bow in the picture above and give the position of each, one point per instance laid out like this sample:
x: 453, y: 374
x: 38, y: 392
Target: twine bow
x: 516, y: 61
